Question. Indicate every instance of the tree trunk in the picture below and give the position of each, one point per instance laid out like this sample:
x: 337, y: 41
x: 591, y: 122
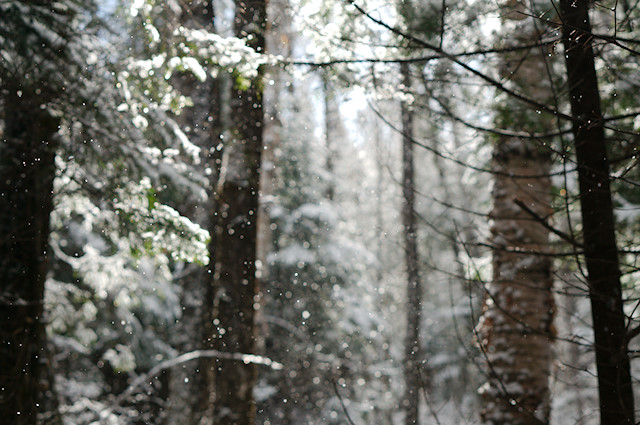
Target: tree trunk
x: 27, y: 169
x: 233, y: 248
x: 515, y: 327
x: 600, y: 248
x: 331, y: 133
x: 412, y: 353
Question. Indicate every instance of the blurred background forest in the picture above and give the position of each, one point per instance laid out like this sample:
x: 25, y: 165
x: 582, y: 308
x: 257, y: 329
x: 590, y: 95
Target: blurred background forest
x: 319, y: 212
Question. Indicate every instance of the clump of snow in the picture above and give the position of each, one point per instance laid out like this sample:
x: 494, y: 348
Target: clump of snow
x: 121, y: 358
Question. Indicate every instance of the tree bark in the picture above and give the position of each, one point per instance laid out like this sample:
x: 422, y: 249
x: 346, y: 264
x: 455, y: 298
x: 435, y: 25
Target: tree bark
x: 515, y: 327
x: 412, y: 348
x: 27, y: 169
x: 600, y: 248
x: 234, y: 241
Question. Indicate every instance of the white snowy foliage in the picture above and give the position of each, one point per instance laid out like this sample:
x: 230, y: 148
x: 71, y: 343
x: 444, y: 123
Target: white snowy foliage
x: 226, y: 53
x: 160, y: 228
x: 121, y: 358
x: 292, y: 255
x: 320, y: 213
x: 151, y: 227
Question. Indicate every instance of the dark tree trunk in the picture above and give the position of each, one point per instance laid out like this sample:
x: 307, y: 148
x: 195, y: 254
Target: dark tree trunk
x: 233, y: 249
x: 235, y: 294
x: 411, y: 401
x: 27, y: 150
x: 600, y: 249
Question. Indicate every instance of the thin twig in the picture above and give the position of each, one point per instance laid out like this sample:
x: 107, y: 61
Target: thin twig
x: 423, y: 384
x: 344, y: 407
x: 541, y: 220
x: 446, y: 55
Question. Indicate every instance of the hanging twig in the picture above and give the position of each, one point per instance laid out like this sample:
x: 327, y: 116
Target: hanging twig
x: 423, y: 384
x: 344, y: 407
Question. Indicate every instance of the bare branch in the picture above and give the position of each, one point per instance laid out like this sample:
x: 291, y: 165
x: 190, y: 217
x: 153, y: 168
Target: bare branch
x: 458, y: 161
x: 419, y: 59
x: 344, y: 408
x: 497, y: 84
x: 543, y: 222
x: 193, y: 355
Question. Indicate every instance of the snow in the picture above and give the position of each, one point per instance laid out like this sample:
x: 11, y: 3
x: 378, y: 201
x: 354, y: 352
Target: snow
x: 293, y: 254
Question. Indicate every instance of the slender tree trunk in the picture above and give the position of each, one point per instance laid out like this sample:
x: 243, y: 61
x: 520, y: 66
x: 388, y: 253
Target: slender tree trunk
x: 234, y: 241
x: 515, y: 332
x: 411, y: 400
x: 381, y: 413
x: 600, y: 248
x: 27, y: 151
x: 379, y: 201
x: 330, y: 132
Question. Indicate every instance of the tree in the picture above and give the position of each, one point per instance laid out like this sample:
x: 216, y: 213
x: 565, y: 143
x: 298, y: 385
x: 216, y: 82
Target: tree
x: 27, y: 171
x: 314, y: 270
x: 515, y: 328
x: 234, y: 236
x: 106, y: 214
x: 600, y: 248
x: 413, y: 345
x: 333, y: 130
x: 113, y: 132
x: 35, y: 37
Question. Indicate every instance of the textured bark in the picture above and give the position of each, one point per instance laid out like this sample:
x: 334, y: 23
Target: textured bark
x: 600, y: 248
x: 515, y: 327
x: 233, y: 247
x: 27, y: 150
x: 235, y: 294
x: 412, y: 347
